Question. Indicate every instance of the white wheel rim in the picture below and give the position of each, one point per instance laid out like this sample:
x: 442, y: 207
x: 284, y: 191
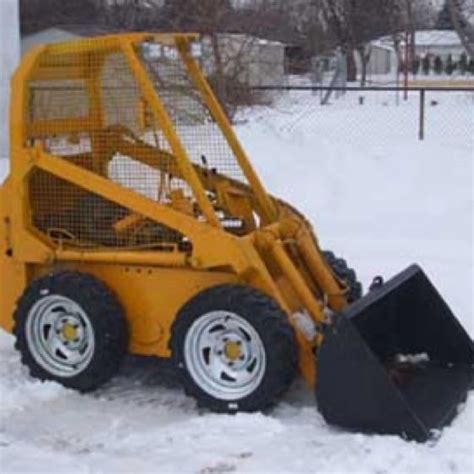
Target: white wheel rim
x: 59, y: 335
x: 224, y: 355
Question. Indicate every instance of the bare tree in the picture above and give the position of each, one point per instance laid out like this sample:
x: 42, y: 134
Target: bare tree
x: 354, y: 23
x: 38, y: 14
x: 208, y: 17
x: 126, y: 14
x: 462, y: 17
x: 336, y: 16
x: 227, y: 58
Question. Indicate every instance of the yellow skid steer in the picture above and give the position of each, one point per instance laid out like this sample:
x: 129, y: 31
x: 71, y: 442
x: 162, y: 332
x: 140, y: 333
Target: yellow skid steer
x: 133, y: 222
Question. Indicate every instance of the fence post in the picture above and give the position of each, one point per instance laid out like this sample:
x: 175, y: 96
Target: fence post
x: 421, y: 129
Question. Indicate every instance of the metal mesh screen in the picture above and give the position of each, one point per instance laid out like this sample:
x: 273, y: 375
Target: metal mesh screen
x: 58, y: 99
x: 100, y: 122
x: 200, y: 135
x: 120, y: 94
x: 73, y: 217
x: 87, y: 107
x: 130, y: 122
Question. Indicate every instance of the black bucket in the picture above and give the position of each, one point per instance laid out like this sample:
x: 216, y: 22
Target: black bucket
x: 396, y: 361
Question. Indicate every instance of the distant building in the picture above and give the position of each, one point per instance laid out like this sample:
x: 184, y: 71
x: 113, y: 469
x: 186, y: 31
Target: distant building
x: 253, y: 61
x: 431, y: 42
x: 438, y: 43
x: 60, y: 33
x: 382, y: 59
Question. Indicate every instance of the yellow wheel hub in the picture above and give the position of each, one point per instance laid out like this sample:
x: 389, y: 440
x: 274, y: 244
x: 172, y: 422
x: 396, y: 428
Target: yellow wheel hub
x: 232, y: 350
x: 69, y: 332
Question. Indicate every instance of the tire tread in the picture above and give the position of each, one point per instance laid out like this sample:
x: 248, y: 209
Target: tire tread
x: 280, y: 373
x: 106, y: 317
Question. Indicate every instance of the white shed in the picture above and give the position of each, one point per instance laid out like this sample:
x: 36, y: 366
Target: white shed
x: 382, y: 60
x: 438, y: 43
x: 431, y: 42
x: 58, y: 34
x: 50, y: 35
x: 254, y: 61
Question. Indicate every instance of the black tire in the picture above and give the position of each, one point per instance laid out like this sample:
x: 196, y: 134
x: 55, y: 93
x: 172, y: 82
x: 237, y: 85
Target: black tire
x: 345, y: 273
x: 106, y: 319
x: 270, y: 323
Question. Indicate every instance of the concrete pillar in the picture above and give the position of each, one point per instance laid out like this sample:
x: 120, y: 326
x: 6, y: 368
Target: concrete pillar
x: 9, y: 57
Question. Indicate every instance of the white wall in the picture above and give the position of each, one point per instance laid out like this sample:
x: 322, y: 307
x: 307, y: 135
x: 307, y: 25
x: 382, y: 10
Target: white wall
x: 9, y: 55
x: 256, y: 62
x: 51, y: 35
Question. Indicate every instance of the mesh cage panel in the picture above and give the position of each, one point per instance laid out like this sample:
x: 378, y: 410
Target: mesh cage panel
x: 88, y: 109
x: 127, y: 116
x: 200, y: 135
x: 74, y: 217
x: 56, y: 99
x: 120, y: 94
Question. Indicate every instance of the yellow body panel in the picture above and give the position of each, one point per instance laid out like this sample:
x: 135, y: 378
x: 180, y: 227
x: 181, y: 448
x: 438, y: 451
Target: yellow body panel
x: 13, y: 277
x: 150, y: 296
x: 163, y: 246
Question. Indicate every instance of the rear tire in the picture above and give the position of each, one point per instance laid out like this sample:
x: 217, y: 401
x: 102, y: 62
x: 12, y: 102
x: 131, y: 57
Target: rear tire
x: 234, y: 349
x: 345, y: 273
x: 70, y: 328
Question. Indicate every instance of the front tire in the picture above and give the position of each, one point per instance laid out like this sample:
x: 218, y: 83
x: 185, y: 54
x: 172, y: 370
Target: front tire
x: 346, y: 274
x: 70, y: 328
x: 234, y: 349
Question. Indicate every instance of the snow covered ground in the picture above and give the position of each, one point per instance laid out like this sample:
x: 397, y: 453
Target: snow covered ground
x: 377, y: 196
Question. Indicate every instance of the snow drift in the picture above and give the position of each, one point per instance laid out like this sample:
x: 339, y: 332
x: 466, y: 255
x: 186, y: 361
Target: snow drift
x: 376, y: 196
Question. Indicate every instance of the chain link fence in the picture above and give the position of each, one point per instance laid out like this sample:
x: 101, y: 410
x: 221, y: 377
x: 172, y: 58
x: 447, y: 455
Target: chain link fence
x: 374, y: 115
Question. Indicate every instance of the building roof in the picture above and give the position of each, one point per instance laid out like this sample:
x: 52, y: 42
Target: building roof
x: 256, y: 39
x: 437, y: 38
x: 78, y: 30
x: 425, y: 38
x: 98, y: 30
x: 382, y: 45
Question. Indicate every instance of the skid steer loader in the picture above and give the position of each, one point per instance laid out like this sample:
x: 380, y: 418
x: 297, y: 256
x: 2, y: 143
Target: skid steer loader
x: 133, y: 222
